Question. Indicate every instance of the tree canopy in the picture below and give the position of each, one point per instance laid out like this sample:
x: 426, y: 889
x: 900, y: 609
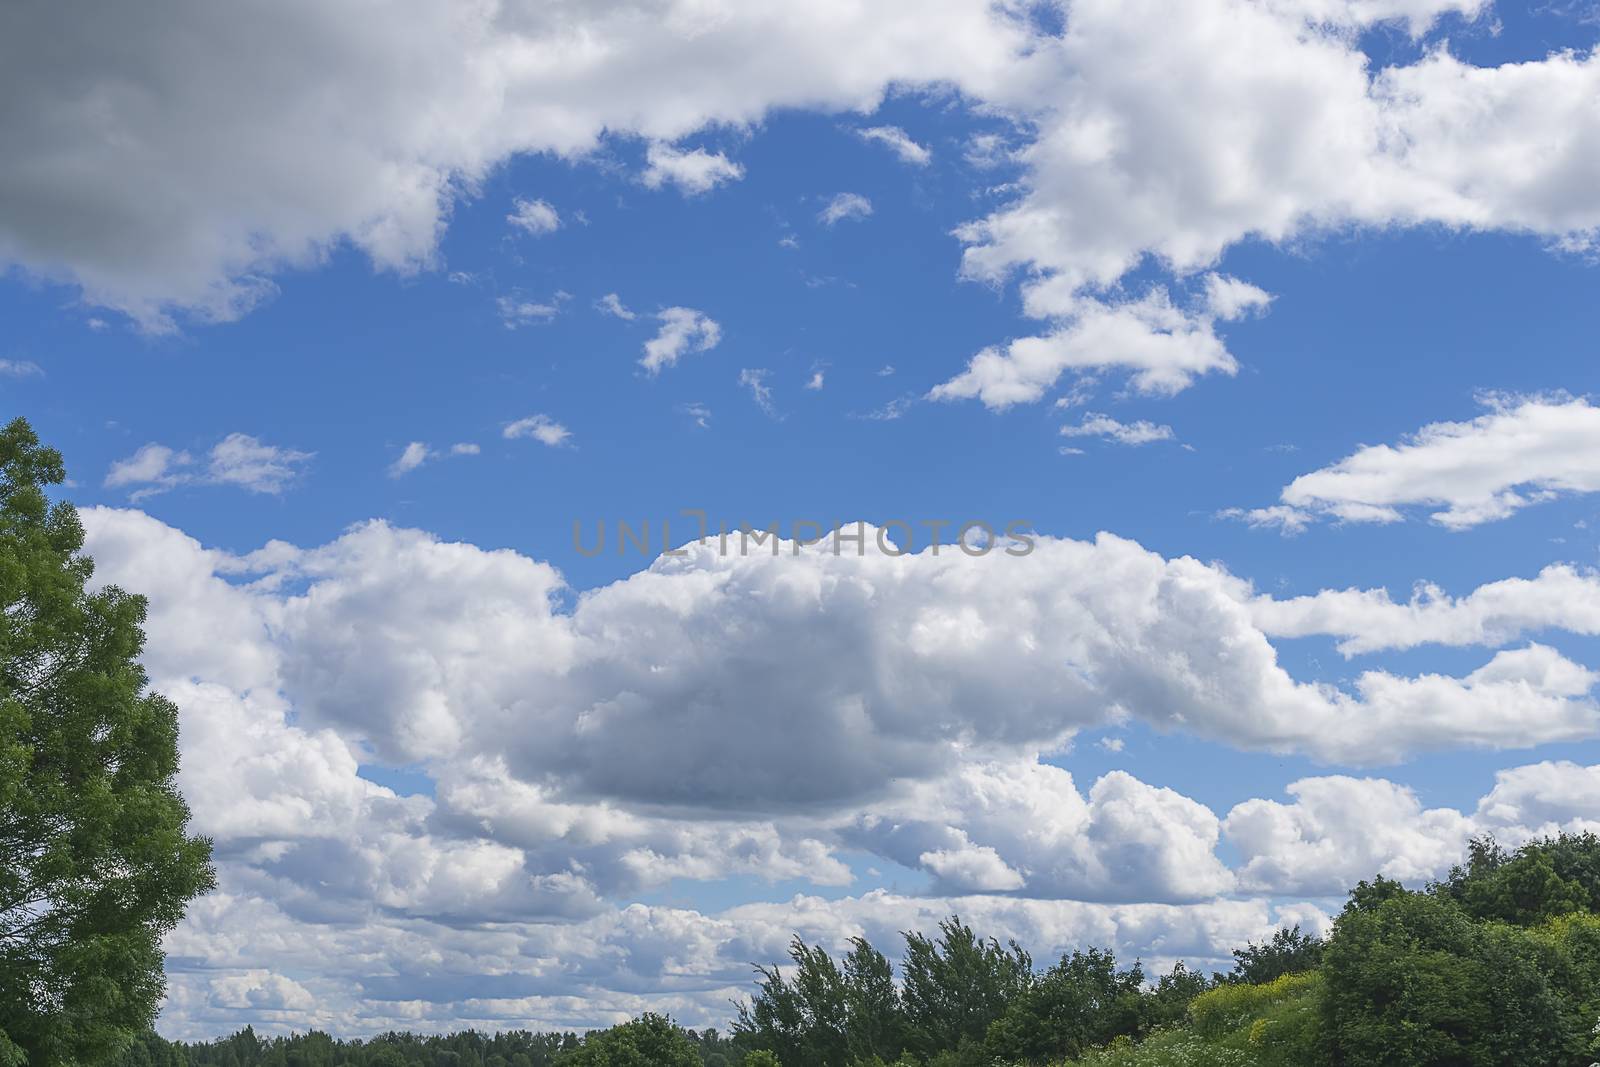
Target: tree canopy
x: 96, y: 861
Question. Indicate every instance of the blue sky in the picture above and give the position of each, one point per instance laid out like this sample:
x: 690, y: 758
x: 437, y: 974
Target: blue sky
x: 1388, y: 291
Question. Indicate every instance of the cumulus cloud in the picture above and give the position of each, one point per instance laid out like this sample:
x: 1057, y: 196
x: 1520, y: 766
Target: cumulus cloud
x: 682, y: 330
x: 845, y: 207
x: 535, y: 217
x: 187, y: 203
x: 541, y: 428
x: 20, y: 368
x: 1369, y: 620
x: 693, y: 172
x: 1140, y: 432
x: 1162, y: 345
x: 899, y: 142
x: 1522, y: 451
x: 735, y: 663
x: 238, y: 459
x: 494, y: 900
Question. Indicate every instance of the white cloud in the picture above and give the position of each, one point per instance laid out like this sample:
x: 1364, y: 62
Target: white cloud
x: 1340, y: 830
x: 541, y: 428
x: 693, y: 172
x: 1369, y: 620
x: 845, y: 207
x: 245, y: 461
x: 1155, y: 135
x: 411, y: 457
x: 760, y: 391
x: 611, y: 304
x: 1163, y: 346
x: 515, y: 312
x: 788, y: 659
x: 699, y: 413
x: 464, y: 448
x: 238, y: 459
x: 246, y: 163
x: 20, y: 368
x: 534, y: 217
x: 1140, y: 432
x: 153, y: 466
x: 899, y: 142
x: 488, y: 902
x: 682, y: 330
x: 1522, y: 451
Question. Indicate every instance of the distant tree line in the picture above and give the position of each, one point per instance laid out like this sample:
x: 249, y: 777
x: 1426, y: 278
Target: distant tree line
x: 1497, y: 964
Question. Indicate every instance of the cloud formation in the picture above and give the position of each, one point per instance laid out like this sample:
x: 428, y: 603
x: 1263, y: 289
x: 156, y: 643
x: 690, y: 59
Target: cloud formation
x: 682, y: 330
x: 1522, y: 451
x: 912, y: 710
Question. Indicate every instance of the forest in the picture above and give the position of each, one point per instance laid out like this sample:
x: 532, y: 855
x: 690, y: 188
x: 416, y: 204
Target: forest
x: 1499, y: 963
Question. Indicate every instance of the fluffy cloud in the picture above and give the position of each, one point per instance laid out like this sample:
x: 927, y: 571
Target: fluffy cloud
x: 843, y: 208
x: 682, y: 330
x: 693, y: 172
x: 1522, y: 451
x: 1140, y: 432
x: 411, y: 457
x: 1175, y: 135
x: 1340, y: 830
x: 541, y: 428
x: 1163, y: 346
x: 582, y: 755
x: 535, y: 217
x: 1368, y: 620
x: 1023, y: 826
x: 736, y: 663
x: 238, y: 459
x: 237, y: 159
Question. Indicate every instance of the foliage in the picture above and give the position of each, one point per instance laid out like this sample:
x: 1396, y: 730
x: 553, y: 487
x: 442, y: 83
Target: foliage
x: 1080, y: 1002
x: 1416, y: 980
x: 518, y: 1048
x: 1289, y: 952
x: 95, y: 859
x: 955, y: 986
x: 648, y: 1041
x: 1539, y: 881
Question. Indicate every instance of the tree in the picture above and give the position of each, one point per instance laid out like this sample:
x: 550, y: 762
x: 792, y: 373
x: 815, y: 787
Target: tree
x: 1414, y: 980
x: 1081, y: 1002
x: 648, y: 1041
x: 96, y: 861
x: 1289, y: 952
x: 1540, y: 881
x: 955, y: 986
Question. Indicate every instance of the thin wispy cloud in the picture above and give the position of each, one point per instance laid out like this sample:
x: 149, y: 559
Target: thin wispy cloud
x: 899, y: 142
x: 541, y: 428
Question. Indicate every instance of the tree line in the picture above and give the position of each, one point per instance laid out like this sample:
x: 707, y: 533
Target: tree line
x: 1499, y: 963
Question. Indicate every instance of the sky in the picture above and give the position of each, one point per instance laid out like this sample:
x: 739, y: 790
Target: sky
x: 1254, y: 339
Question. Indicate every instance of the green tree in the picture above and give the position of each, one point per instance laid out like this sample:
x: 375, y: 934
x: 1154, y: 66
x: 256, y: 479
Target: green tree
x: 648, y: 1041
x: 1414, y: 981
x: 956, y: 985
x: 96, y: 861
x: 1081, y: 1002
x: 1289, y: 952
x: 1540, y: 881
